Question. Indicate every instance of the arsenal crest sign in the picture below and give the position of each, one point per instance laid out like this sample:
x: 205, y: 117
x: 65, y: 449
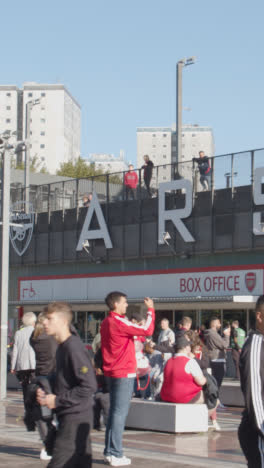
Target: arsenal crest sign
x: 22, y: 217
x: 250, y: 280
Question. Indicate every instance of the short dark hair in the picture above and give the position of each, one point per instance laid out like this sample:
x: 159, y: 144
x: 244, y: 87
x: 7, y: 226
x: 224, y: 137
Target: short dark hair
x: 236, y: 322
x: 213, y: 319
x: 112, y: 298
x: 259, y: 303
x: 59, y: 308
x: 137, y: 315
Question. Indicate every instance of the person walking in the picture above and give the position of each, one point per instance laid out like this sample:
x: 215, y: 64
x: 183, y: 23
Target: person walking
x: 119, y: 364
x: 251, y: 429
x: 73, y: 392
x: 217, y: 347
x: 204, y: 169
x: 45, y: 347
x: 131, y: 182
x: 23, y: 362
x: 238, y: 336
x: 147, y: 175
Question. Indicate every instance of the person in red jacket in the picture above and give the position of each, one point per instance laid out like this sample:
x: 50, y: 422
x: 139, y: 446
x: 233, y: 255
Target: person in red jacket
x: 119, y: 364
x: 131, y: 182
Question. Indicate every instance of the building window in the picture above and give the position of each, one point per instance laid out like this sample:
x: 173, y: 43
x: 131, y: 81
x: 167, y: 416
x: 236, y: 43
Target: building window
x: 164, y: 146
x: 8, y: 107
x: 43, y: 94
x: 42, y: 146
x: 164, y: 135
x: 193, y: 135
x: 183, y: 145
x: 164, y: 167
x: 164, y: 177
x: 164, y: 156
x: 153, y: 146
x: 8, y: 94
x: 30, y: 94
x: 153, y: 134
x: 42, y: 107
x: 182, y: 156
x: 42, y: 133
x: 8, y: 120
x: 43, y: 120
x: 30, y: 132
x: 183, y: 134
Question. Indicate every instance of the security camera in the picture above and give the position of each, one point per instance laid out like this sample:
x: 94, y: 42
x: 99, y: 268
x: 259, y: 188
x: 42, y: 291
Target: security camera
x: 86, y: 244
x: 166, y: 236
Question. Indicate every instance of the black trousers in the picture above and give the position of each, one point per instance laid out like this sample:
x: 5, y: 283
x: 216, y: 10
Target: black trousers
x: 236, y: 357
x: 218, y: 371
x: 252, y: 444
x: 101, y: 404
x: 72, y: 447
x: 147, y: 183
x: 130, y: 192
x: 25, y: 377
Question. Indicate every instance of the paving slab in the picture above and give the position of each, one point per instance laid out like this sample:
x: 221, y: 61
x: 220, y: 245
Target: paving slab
x: 20, y: 449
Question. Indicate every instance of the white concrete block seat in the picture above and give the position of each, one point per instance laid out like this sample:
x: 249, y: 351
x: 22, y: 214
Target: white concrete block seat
x: 167, y: 417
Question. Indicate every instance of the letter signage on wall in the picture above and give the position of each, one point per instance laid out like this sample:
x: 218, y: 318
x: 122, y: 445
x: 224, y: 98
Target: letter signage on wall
x: 177, y: 215
x: 102, y: 233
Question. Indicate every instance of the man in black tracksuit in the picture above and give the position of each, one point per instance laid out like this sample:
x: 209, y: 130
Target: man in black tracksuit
x: 251, y: 429
x: 147, y: 175
x: 74, y: 388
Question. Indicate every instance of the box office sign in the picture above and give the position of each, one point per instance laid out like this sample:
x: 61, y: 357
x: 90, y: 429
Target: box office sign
x: 220, y: 282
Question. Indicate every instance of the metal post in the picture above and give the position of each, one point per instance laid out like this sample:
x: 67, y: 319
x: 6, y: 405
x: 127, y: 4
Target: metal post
x: 29, y: 106
x: 5, y: 272
x: 180, y: 65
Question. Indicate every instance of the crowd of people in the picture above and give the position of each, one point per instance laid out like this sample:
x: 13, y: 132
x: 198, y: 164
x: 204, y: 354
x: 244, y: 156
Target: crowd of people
x: 131, y: 179
x: 68, y: 391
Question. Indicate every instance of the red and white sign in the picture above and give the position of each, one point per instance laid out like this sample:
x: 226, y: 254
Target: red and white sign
x: 196, y: 283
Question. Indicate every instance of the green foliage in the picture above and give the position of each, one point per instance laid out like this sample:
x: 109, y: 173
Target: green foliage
x: 36, y: 165
x: 79, y: 169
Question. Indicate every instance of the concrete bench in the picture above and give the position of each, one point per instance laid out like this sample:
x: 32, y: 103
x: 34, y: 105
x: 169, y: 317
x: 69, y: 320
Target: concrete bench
x: 167, y: 417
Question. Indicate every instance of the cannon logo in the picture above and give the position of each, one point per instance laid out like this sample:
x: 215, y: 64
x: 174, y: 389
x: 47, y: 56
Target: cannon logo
x: 21, y: 226
x: 250, y: 280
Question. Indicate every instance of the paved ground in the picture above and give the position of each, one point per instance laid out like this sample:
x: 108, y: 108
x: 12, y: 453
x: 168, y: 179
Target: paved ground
x: 20, y: 449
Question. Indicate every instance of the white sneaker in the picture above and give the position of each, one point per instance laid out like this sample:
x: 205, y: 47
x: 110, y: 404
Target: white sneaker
x: 107, y: 458
x: 120, y: 461
x: 44, y: 455
x: 216, y: 425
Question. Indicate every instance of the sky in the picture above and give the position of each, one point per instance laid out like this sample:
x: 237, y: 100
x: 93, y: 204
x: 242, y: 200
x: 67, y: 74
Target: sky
x: 118, y: 59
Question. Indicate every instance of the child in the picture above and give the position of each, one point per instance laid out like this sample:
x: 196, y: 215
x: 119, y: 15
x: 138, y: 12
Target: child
x: 75, y: 385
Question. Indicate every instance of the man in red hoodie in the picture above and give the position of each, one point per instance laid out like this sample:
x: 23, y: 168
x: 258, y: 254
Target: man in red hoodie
x: 119, y: 364
x: 131, y: 181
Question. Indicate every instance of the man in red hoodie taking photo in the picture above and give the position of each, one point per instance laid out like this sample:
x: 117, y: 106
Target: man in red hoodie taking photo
x: 131, y: 181
x: 119, y: 364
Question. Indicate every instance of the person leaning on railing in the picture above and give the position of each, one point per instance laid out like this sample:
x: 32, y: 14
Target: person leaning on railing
x: 204, y: 169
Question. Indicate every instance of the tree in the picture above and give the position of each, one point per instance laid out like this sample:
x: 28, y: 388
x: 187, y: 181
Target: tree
x: 36, y: 165
x: 79, y: 169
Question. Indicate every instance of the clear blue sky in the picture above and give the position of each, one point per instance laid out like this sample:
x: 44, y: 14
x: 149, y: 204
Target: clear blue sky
x: 118, y: 59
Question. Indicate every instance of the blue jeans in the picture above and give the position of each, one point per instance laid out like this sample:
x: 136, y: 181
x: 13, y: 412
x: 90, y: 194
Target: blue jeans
x: 205, y: 180
x: 120, y: 396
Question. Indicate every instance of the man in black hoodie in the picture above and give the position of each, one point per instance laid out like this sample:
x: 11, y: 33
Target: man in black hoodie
x: 74, y: 388
x: 251, y: 429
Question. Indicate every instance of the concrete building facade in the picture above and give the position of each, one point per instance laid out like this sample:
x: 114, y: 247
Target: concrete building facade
x: 55, y: 126
x: 108, y: 162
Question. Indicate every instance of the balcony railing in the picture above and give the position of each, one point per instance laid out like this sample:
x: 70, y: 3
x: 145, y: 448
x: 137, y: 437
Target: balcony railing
x: 228, y: 171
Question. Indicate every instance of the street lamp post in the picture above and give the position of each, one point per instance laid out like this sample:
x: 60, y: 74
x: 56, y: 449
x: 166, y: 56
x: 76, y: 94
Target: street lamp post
x: 29, y: 107
x: 6, y: 164
x: 182, y: 63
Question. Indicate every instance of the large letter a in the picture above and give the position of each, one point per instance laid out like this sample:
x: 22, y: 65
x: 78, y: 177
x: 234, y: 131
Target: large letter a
x: 101, y: 233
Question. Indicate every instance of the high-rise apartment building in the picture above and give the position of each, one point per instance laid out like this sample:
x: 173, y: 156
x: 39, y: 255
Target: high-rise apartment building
x: 160, y: 144
x: 108, y: 162
x: 55, y: 122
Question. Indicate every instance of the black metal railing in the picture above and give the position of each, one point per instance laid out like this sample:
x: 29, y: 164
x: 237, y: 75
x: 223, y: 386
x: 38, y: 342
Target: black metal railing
x: 228, y: 171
